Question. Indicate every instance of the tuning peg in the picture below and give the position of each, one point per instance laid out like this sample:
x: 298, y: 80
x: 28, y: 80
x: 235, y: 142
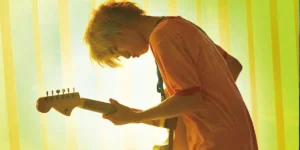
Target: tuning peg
x: 63, y: 90
x: 47, y: 93
x: 57, y: 91
x: 52, y: 92
x: 68, y: 90
x: 73, y: 89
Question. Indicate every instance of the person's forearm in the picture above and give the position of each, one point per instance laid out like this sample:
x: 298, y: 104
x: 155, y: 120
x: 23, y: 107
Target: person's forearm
x: 173, y: 107
x: 148, y: 122
x: 152, y: 122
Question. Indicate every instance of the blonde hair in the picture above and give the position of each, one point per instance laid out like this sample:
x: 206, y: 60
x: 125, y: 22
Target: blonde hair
x: 106, y: 21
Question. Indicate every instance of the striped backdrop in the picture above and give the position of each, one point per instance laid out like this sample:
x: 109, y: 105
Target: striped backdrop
x: 41, y: 49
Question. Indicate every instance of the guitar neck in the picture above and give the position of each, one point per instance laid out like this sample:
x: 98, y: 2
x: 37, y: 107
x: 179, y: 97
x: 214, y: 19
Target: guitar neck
x: 98, y: 106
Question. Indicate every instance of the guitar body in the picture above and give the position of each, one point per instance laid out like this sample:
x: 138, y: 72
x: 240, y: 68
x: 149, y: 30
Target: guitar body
x: 160, y: 147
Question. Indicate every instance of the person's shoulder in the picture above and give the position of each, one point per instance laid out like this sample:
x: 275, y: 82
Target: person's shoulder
x: 168, y: 28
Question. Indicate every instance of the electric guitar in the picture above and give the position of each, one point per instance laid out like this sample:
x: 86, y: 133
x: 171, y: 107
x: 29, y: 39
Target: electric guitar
x: 67, y: 101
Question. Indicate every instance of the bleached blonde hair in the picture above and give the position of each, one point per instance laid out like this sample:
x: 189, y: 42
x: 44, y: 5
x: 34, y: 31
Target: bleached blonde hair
x: 106, y: 21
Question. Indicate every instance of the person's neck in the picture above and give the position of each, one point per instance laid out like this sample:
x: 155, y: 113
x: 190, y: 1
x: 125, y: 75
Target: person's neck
x: 146, y: 25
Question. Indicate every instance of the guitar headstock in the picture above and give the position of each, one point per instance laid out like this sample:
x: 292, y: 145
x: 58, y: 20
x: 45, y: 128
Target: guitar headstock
x: 63, y: 103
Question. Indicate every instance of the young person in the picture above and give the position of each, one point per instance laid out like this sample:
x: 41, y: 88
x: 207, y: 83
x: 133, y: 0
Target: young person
x: 199, y: 76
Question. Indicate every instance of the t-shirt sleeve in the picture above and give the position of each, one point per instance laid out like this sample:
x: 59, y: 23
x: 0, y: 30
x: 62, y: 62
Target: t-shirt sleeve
x: 177, y: 66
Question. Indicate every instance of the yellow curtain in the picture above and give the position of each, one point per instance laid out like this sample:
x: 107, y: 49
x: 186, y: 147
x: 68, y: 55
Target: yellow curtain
x: 41, y: 49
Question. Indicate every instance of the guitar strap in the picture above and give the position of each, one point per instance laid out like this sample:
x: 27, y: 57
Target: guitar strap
x: 169, y: 123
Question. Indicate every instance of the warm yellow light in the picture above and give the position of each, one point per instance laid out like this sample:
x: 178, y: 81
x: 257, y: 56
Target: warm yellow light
x: 161, y: 137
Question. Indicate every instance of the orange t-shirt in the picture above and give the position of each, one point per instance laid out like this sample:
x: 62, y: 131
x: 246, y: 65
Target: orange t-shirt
x: 190, y: 62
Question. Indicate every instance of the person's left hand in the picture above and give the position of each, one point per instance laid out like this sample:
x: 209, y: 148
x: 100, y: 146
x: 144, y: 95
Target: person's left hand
x: 123, y: 115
